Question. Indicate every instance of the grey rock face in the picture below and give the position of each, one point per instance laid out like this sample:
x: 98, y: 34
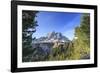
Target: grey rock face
x: 47, y: 43
x: 52, y: 37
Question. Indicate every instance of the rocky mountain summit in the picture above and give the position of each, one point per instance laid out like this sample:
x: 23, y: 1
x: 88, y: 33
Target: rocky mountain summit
x: 52, y: 37
x: 50, y: 41
x: 45, y: 46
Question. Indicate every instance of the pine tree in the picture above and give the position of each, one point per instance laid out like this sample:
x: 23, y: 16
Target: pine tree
x: 82, y: 43
x: 28, y: 28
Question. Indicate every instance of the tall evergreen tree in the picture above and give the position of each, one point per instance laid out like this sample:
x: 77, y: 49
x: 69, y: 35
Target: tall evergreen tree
x: 28, y: 28
x: 82, y: 43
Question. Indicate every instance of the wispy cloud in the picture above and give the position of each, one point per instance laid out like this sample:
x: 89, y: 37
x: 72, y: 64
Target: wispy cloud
x: 69, y: 28
x: 69, y: 34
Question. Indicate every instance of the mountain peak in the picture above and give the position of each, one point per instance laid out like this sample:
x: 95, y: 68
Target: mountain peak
x: 53, y: 37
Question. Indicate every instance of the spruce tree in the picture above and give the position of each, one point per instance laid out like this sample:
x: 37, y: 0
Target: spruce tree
x: 28, y: 28
x: 82, y: 43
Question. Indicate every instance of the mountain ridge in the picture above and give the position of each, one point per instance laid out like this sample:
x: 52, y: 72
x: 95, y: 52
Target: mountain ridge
x: 52, y: 37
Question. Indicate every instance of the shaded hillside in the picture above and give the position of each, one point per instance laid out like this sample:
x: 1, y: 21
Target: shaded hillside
x: 44, y: 48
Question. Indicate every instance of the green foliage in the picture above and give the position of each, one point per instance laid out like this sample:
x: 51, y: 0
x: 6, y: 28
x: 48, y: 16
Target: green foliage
x: 28, y: 28
x: 79, y: 48
x: 74, y: 50
x: 37, y: 55
x: 82, y: 44
x: 61, y: 52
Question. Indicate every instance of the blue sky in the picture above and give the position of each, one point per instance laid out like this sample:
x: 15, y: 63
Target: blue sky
x: 63, y: 22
